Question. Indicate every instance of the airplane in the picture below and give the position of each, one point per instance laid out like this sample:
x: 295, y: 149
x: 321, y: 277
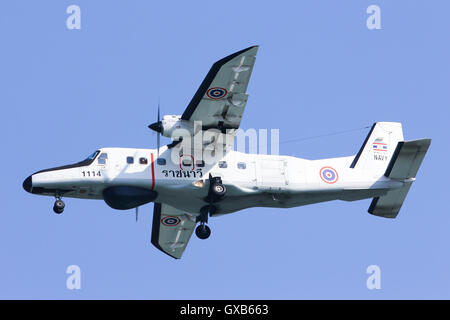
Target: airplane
x: 187, y: 190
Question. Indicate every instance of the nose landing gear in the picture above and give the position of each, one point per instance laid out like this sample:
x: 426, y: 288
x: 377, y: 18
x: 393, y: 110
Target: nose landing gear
x: 59, y: 205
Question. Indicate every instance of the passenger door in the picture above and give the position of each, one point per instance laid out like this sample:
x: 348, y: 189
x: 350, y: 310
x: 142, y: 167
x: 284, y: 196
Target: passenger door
x: 271, y: 174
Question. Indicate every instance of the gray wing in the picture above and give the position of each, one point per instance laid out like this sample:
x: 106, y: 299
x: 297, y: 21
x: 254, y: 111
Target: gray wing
x: 221, y: 98
x: 171, y: 229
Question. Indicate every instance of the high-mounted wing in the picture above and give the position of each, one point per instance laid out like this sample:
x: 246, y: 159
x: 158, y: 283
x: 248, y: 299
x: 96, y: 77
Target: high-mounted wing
x: 171, y: 229
x: 221, y: 98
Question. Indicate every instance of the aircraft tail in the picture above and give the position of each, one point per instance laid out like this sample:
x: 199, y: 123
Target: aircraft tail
x: 379, y: 146
x: 403, y: 166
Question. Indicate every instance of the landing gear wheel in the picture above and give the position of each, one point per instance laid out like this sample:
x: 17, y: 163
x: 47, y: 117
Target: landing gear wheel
x: 218, y: 190
x: 203, y: 231
x: 58, y: 207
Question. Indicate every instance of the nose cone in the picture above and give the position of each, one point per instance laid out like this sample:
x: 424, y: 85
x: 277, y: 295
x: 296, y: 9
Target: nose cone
x: 157, y: 126
x: 28, y: 184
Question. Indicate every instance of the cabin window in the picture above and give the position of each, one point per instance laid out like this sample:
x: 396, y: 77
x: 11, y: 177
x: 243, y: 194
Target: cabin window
x: 143, y: 160
x: 186, y: 162
x: 200, y: 163
x: 241, y: 165
x: 130, y: 160
x: 223, y: 164
x: 102, y: 158
x: 161, y: 161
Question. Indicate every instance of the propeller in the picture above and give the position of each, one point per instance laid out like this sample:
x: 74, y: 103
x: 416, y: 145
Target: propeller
x: 158, y: 137
x: 157, y: 127
x: 137, y: 213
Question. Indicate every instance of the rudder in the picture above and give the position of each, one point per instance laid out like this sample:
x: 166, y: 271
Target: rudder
x: 378, y: 148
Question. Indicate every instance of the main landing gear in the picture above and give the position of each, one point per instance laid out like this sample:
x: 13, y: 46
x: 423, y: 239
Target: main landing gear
x: 203, y: 231
x: 215, y: 193
x: 59, y: 205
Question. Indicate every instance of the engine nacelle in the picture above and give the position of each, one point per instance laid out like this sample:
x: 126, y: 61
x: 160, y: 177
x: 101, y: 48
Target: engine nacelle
x: 128, y: 197
x: 174, y: 127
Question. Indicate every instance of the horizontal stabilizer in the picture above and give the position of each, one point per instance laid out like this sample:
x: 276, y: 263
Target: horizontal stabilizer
x: 404, y: 164
x: 407, y: 159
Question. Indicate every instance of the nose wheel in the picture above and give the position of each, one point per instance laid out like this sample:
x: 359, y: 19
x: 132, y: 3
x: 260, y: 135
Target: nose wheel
x: 58, y: 207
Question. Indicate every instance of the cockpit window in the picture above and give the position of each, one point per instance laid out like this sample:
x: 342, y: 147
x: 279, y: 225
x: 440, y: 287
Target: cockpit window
x: 102, y: 159
x: 93, y: 155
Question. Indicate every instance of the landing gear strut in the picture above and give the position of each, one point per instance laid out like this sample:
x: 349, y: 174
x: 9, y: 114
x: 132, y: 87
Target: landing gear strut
x: 59, y: 205
x: 203, y: 231
x: 215, y: 193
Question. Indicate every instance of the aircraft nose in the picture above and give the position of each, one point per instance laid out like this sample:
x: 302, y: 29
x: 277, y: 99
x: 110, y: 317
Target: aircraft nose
x: 28, y: 184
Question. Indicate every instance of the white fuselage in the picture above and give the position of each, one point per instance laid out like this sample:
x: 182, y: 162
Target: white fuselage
x: 251, y: 180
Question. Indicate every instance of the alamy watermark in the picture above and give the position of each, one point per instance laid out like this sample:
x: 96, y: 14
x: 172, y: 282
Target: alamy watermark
x: 374, y: 280
x: 373, y: 22
x: 73, y: 281
x: 74, y: 20
x: 211, y: 145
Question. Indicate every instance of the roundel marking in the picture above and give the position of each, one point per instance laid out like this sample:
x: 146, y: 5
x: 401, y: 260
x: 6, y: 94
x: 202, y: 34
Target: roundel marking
x: 329, y: 175
x: 216, y: 93
x: 170, y: 221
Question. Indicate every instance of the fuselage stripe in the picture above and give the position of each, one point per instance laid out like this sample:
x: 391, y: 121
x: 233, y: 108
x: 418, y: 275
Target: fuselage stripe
x: 153, y: 171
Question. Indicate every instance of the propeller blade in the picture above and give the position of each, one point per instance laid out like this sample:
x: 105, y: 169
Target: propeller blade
x: 158, y: 138
x: 157, y: 126
x: 137, y: 213
x: 158, y: 110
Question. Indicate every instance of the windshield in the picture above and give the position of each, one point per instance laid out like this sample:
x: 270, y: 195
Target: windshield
x: 87, y: 162
x: 93, y: 155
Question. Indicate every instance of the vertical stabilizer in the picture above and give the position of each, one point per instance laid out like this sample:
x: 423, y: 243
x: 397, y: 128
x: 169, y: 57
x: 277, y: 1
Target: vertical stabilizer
x: 379, y: 146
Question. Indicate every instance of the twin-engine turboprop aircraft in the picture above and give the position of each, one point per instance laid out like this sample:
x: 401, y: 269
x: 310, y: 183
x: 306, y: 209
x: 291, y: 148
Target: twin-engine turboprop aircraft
x: 190, y: 184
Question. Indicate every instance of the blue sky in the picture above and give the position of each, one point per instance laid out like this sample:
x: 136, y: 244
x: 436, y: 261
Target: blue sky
x: 319, y: 70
